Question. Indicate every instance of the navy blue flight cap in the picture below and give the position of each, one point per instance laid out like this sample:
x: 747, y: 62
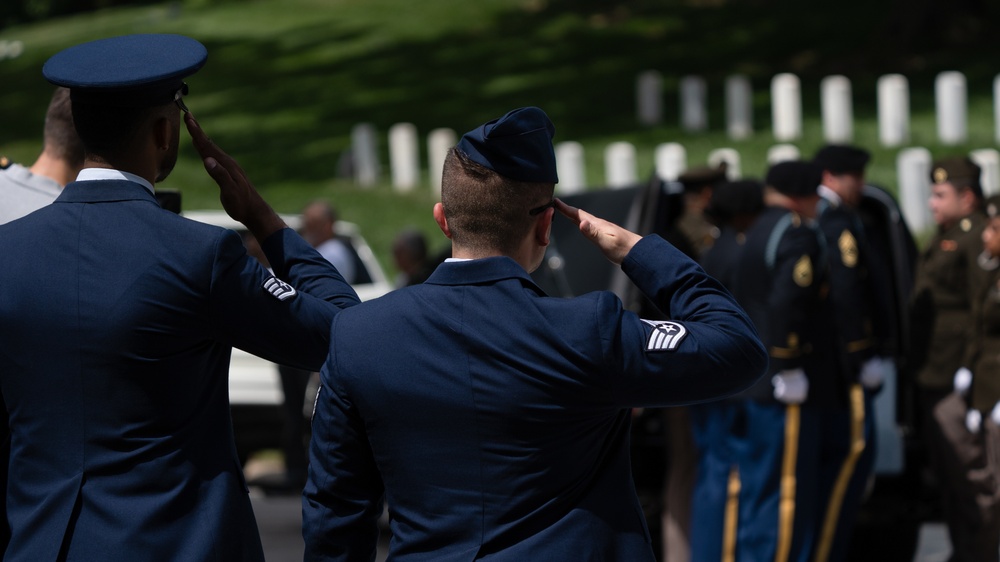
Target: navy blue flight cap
x: 842, y: 159
x: 129, y: 71
x: 795, y: 178
x: 516, y: 146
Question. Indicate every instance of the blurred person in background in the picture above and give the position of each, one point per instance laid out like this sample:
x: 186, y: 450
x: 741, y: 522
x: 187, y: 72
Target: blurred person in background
x: 718, y: 427
x: 943, y: 305
x: 942, y: 317
x: 319, y: 220
x: 781, y: 280
x: 409, y: 253
x: 859, y: 293
x: 23, y: 190
x: 973, y: 461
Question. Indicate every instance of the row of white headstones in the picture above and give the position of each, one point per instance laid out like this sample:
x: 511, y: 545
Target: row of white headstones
x: 11, y: 49
x: 836, y: 103
x: 913, y: 164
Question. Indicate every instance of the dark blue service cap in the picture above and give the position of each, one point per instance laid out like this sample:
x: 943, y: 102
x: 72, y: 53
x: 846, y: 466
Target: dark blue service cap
x: 795, y: 178
x: 131, y: 70
x: 516, y: 146
x: 842, y: 159
x: 742, y: 197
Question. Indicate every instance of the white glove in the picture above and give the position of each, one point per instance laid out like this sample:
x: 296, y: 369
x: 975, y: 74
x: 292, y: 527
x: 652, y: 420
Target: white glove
x: 873, y: 373
x: 995, y: 414
x: 973, y: 421
x: 963, y: 380
x: 791, y: 386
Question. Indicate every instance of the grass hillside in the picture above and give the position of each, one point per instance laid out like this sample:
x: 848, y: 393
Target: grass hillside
x: 287, y: 80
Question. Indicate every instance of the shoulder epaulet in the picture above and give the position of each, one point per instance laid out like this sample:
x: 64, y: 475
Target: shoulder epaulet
x: 790, y: 220
x: 5, y: 162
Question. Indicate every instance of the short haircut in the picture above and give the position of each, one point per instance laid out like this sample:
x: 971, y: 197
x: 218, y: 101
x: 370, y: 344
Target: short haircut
x: 487, y: 211
x: 59, y: 134
x: 109, y: 130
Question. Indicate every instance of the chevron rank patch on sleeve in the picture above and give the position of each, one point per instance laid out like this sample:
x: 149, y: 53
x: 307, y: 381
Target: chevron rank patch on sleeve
x: 279, y: 289
x: 666, y: 336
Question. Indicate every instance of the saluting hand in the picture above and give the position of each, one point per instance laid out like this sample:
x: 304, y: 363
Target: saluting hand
x: 238, y: 196
x: 614, y: 241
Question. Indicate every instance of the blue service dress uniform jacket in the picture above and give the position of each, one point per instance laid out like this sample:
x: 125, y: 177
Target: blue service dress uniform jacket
x: 117, y: 320
x: 495, y: 419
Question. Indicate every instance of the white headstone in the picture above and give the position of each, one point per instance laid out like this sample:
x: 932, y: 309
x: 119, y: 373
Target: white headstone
x: 913, y: 168
x: 671, y: 161
x: 619, y: 165
x: 732, y: 159
x: 571, y: 168
x: 782, y: 153
x: 951, y: 101
x: 893, y: 110
x: 649, y: 98
x: 739, y: 107
x: 694, y: 104
x: 439, y: 142
x: 989, y: 160
x: 996, y: 106
x: 786, y: 107
x: 404, y: 156
x: 838, y: 109
x: 364, y: 151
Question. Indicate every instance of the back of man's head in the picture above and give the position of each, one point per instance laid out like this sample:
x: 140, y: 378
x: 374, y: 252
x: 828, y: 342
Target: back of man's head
x: 60, y: 138
x: 486, y: 211
x: 110, y: 131
x: 120, y: 84
x: 494, y: 177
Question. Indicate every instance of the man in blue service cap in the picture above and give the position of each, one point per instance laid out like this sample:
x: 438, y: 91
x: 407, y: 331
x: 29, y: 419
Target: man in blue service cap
x: 118, y: 318
x: 493, y: 419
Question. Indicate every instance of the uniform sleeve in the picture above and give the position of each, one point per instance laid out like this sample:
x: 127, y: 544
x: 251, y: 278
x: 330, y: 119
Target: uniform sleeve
x: 850, y: 294
x: 977, y: 281
x: 293, y: 260
x: 799, y: 266
x: 286, y: 324
x: 342, y: 500
x: 707, y: 350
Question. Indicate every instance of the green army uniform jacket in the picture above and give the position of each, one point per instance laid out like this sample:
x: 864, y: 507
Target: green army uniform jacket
x: 947, y: 279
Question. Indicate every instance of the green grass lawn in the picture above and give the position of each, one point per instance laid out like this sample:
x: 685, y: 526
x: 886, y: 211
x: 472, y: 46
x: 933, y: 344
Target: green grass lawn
x: 287, y: 80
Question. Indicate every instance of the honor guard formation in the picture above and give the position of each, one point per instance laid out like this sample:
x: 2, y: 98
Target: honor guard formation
x: 492, y: 420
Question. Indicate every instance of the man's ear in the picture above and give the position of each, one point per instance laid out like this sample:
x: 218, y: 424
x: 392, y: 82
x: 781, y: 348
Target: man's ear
x: 543, y: 227
x: 441, y: 219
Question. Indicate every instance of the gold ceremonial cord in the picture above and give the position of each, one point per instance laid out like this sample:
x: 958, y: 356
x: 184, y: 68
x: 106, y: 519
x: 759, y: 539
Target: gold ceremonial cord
x: 846, y: 471
x: 732, y: 516
x: 786, y: 506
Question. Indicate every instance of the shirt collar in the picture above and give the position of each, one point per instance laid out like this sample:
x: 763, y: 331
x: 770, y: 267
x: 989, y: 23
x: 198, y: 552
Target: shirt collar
x: 830, y: 195
x: 94, y: 174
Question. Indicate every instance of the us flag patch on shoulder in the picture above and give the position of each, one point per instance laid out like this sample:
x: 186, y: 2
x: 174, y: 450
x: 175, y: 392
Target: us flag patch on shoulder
x: 279, y: 289
x: 666, y: 335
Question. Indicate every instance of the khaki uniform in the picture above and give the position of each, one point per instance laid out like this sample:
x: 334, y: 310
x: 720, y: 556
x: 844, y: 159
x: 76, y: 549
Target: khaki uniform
x: 942, y: 303
x: 972, y: 458
x: 985, y: 351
